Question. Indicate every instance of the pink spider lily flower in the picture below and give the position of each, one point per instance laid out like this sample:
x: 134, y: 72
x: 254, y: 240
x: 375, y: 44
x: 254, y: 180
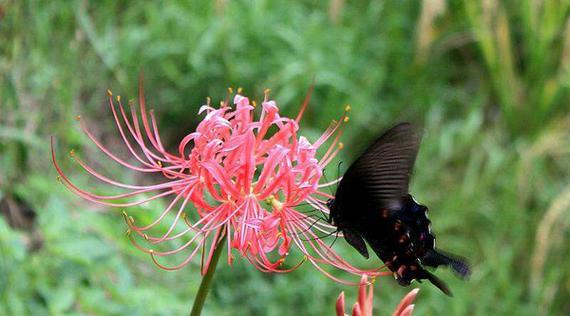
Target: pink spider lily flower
x: 243, y: 176
x: 364, y: 304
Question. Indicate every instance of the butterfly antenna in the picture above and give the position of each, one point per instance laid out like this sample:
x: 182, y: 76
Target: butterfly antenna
x: 338, y: 173
x: 327, y: 181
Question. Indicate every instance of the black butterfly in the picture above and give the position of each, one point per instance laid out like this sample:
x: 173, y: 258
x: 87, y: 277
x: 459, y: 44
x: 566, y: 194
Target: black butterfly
x: 372, y: 204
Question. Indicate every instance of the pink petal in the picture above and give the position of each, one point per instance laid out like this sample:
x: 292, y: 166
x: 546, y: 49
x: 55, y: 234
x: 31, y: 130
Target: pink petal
x: 356, y: 311
x: 340, y: 304
x: 405, y: 302
x: 408, y: 311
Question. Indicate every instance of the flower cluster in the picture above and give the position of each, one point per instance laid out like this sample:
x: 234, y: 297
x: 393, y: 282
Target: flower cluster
x: 236, y: 178
x: 364, y: 304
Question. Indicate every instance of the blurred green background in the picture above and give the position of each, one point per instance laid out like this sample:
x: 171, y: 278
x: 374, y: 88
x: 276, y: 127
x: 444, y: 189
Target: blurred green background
x: 489, y: 81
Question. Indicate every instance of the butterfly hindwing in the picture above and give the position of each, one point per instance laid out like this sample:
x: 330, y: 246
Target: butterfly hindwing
x: 356, y: 241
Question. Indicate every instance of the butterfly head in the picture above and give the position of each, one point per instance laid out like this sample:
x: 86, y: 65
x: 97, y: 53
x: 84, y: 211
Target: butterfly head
x: 330, y: 205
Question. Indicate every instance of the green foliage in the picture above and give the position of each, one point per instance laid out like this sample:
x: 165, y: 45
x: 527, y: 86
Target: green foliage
x: 488, y: 81
x: 525, y: 46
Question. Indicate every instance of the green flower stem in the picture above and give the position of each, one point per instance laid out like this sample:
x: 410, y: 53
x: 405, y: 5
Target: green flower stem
x: 207, y: 280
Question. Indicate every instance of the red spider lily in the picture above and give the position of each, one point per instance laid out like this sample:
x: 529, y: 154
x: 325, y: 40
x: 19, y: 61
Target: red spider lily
x: 244, y: 177
x: 363, y: 306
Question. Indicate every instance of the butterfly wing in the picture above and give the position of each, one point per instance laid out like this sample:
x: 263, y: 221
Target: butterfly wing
x: 380, y: 177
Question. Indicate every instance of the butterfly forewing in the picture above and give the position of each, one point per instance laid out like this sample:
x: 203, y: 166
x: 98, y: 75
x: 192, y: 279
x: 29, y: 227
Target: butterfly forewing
x: 381, y: 175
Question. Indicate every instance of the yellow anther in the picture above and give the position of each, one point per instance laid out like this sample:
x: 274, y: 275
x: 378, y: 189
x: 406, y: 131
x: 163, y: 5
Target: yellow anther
x: 151, y: 251
x: 78, y: 118
x: 118, y: 98
x: 109, y: 92
x: 129, y: 219
x: 145, y: 236
x: 347, y: 108
x: 58, y: 178
x: 254, y: 103
x: 160, y: 163
x: 239, y: 90
x: 72, y: 153
x: 184, y: 215
x: 128, y: 232
x: 346, y: 119
x: 222, y: 103
x: 340, y: 145
x: 208, y: 100
x: 267, y: 91
x: 132, y: 101
x: 230, y: 90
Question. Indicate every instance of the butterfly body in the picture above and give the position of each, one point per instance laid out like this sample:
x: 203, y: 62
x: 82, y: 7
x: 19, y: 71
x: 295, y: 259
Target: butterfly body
x: 372, y: 206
